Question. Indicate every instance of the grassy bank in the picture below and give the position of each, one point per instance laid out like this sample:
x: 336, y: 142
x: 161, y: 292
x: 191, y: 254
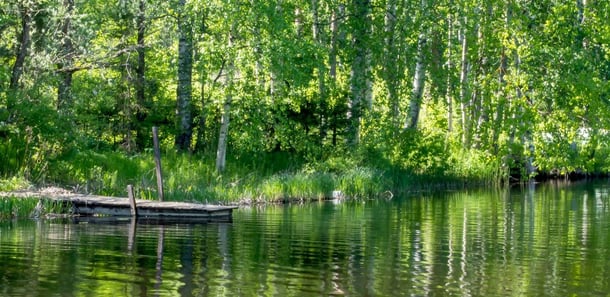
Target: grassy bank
x: 271, y: 177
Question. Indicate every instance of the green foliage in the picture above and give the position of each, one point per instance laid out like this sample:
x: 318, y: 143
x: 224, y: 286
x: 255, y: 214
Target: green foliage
x: 107, y: 173
x: 477, y: 167
x: 421, y: 154
x: 14, y: 183
x: 17, y: 207
x: 534, y: 87
x: 32, y: 136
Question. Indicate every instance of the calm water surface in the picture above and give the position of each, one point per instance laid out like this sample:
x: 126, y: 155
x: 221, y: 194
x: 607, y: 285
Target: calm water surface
x: 547, y: 240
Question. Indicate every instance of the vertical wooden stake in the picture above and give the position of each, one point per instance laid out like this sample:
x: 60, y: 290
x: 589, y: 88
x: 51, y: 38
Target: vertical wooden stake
x: 155, y: 131
x: 132, y: 234
x: 132, y: 201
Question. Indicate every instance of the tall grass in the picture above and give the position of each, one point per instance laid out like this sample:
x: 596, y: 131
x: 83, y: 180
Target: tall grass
x: 17, y: 207
x: 273, y: 177
x: 270, y: 178
x: 478, y: 167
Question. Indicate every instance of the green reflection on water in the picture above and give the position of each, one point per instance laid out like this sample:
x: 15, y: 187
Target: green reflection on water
x: 538, y: 240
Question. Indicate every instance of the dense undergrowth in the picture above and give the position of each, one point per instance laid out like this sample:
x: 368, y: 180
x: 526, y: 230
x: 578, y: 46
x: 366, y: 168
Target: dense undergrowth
x: 265, y: 177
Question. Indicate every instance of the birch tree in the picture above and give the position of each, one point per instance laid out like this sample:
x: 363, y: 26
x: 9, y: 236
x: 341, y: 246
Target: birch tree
x: 140, y: 86
x: 360, y: 84
x: 64, y: 90
x: 419, y: 75
x: 418, y: 84
x: 223, y: 134
x: 185, y: 72
x: 449, y: 74
x: 393, y: 65
x: 464, y: 91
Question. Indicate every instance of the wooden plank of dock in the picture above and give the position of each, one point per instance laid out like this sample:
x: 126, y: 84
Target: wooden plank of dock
x: 88, y: 205
x: 101, y: 205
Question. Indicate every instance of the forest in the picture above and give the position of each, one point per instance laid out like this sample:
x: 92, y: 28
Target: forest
x: 271, y: 100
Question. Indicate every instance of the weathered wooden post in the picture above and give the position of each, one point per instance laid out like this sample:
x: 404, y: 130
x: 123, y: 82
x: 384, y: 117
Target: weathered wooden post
x: 132, y: 234
x: 132, y: 201
x: 155, y: 131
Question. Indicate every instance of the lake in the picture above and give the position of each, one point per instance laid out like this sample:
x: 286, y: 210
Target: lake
x: 538, y: 240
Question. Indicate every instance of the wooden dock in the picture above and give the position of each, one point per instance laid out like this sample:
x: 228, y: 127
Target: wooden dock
x: 92, y: 205
x: 112, y: 206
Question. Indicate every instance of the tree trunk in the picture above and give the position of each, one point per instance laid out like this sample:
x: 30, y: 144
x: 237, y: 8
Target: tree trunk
x: 501, y: 94
x: 334, y: 40
x: 390, y: 63
x: 223, y: 135
x: 298, y: 22
x: 316, y: 32
x: 64, y: 90
x: 202, y: 125
x: 525, y: 124
x: 200, y: 142
x: 336, y: 37
x: 580, y: 5
x: 479, y: 112
x: 359, y: 80
x: 420, y: 72
x: 142, y: 109
x: 449, y: 92
x: 184, y: 89
x: 464, y: 88
x: 499, y: 116
x: 418, y: 84
x: 25, y: 41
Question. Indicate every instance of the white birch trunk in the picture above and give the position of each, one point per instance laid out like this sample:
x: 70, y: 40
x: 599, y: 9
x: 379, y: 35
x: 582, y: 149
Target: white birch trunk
x: 223, y: 134
x: 449, y: 94
x: 390, y: 69
x: 501, y: 94
x: 581, y: 5
x: 317, y: 37
x: 298, y: 21
x: 420, y: 73
x: 418, y: 85
x: 464, y: 87
x: 336, y: 36
x: 360, y: 83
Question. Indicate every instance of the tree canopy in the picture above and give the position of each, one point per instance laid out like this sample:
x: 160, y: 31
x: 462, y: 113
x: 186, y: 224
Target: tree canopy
x: 524, y: 83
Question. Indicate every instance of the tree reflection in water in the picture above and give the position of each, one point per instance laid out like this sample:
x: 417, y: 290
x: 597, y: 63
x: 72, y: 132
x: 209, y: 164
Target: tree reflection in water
x: 550, y: 239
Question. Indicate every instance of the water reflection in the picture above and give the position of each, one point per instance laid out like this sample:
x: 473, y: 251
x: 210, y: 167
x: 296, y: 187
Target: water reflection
x: 534, y: 240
